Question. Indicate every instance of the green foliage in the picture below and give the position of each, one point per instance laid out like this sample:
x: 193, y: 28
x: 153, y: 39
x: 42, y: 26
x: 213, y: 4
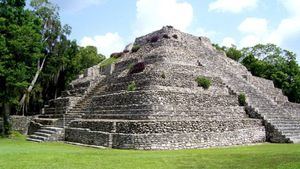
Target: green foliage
x: 231, y: 52
x: 131, y: 86
x: 85, y: 58
x: 20, y: 51
x: 27, y: 36
x: 242, y: 99
x: 135, y: 48
x: 108, y: 62
x: 23, y: 154
x: 203, y: 82
x: 17, y: 136
x: 271, y: 62
x: 234, y: 53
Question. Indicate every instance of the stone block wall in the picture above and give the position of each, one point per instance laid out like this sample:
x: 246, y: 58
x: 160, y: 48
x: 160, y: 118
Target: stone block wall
x: 166, y: 141
x: 21, y: 123
x: 61, y: 105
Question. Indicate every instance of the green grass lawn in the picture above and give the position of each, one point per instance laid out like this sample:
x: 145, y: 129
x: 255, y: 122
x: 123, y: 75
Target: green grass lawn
x: 17, y: 153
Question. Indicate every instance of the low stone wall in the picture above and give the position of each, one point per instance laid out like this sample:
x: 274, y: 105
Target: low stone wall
x: 85, y: 136
x: 166, y: 141
x: 21, y: 123
x: 143, y: 127
x: 164, y: 97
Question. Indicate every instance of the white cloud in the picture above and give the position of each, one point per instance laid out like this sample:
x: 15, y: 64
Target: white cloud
x: 203, y: 32
x: 228, y: 42
x: 76, y: 5
x: 250, y: 40
x: 254, y: 25
x: 257, y: 30
x: 153, y: 14
x: 233, y: 6
x: 106, y: 44
x: 292, y: 6
x: 288, y: 28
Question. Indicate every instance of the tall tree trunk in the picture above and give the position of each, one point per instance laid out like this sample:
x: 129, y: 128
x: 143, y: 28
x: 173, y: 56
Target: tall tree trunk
x: 29, y: 89
x: 6, y: 122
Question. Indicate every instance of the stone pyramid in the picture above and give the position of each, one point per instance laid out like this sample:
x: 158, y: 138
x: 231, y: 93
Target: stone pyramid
x: 149, y: 99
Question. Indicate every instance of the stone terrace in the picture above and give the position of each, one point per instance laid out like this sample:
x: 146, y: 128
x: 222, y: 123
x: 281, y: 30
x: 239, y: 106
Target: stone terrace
x: 168, y: 110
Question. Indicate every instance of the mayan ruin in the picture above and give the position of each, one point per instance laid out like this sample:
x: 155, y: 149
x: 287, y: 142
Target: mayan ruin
x: 150, y: 99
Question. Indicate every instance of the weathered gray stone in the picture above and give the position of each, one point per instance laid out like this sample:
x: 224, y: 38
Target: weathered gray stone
x: 167, y: 109
x: 21, y: 123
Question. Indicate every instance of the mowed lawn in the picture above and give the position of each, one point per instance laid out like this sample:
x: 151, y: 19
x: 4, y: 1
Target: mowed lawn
x: 17, y: 153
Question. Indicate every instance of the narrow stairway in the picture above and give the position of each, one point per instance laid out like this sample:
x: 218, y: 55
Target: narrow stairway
x: 280, y: 125
x: 53, y: 124
x: 47, y: 133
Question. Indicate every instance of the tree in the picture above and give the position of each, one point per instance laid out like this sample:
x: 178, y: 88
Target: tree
x: 87, y: 57
x: 279, y: 65
x: 271, y: 62
x: 20, y: 51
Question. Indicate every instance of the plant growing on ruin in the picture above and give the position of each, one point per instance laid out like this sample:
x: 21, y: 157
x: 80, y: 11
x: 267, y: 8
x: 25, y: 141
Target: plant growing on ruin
x: 135, y: 48
x: 107, y: 62
x: 242, y: 99
x: 203, y: 82
x: 131, y: 86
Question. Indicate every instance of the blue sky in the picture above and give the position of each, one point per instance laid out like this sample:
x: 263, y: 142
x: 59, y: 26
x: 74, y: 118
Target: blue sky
x: 111, y: 24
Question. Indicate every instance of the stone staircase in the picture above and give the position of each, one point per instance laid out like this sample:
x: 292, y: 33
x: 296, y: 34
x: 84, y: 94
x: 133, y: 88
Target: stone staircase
x: 281, y: 126
x: 57, y: 116
x: 47, y: 133
x: 264, y: 101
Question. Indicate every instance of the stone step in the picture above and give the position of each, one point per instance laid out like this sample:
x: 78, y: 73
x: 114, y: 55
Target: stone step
x: 295, y: 139
x: 51, y: 128
x: 284, y: 121
x: 41, y: 133
x: 287, y: 128
x: 46, y: 121
x: 37, y: 137
x: 47, y: 131
x: 274, y: 118
x: 34, y: 140
x: 291, y: 133
x: 79, y: 112
x: 50, y: 116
